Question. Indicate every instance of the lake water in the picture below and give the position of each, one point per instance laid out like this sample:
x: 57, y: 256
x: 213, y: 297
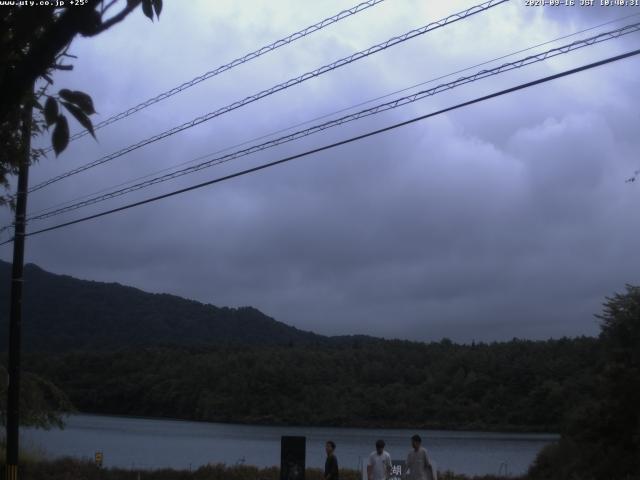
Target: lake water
x: 150, y: 443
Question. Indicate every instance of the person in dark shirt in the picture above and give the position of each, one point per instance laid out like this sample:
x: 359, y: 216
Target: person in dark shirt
x: 331, y: 464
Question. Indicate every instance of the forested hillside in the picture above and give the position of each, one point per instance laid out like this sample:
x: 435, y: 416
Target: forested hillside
x: 517, y: 385
x: 62, y: 313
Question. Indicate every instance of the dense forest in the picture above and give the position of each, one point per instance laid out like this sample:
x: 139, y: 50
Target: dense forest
x: 517, y: 385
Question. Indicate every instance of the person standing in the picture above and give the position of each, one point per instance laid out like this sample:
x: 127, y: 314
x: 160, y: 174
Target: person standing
x: 331, y: 463
x: 419, y: 465
x: 379, y: 466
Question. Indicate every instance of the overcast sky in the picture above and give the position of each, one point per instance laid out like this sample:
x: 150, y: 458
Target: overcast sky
x: 509, y: 218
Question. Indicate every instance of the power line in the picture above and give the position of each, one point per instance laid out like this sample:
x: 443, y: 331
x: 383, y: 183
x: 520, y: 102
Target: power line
x: 595, y: 39
x: 234, y: 63
x: 321, y: 117
x: 349, y: 118
x: 342, y: 142
x: 282, y: 86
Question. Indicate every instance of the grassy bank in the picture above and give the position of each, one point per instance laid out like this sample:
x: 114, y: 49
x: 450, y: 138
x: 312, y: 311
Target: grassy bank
x: 66, y: 468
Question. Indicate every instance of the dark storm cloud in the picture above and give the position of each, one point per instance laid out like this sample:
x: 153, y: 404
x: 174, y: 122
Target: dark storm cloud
x: 510, y: 218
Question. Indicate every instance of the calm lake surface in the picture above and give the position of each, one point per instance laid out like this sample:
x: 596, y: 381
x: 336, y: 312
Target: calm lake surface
x: 149, y: 443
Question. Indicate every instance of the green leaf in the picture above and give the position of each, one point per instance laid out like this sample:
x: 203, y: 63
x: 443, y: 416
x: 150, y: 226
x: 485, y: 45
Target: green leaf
x: 81, y: 99
x: 157, y: 7
x: 147, y: 9
x: 50, y: 111
x: 60, y: 137
x: 80, y: 116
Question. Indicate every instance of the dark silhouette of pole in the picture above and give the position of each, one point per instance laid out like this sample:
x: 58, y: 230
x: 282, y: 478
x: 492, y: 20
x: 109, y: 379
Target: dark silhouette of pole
x: 13, y: 391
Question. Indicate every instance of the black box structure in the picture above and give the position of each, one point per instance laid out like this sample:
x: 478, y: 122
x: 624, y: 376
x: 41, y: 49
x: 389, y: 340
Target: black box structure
x: 292, y: 457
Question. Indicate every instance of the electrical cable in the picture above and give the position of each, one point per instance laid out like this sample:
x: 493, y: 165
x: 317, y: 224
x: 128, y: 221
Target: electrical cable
x: 321, y: 117
x: 277, y: 88
x: 342, y: 142
x: 234, y: 63
x: 349, y: 118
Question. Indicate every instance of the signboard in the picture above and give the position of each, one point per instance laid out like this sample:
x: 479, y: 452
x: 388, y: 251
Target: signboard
x: 98, y: 458
x: 397, y: 469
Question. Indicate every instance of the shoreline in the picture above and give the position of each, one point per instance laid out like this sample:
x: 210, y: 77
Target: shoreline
x: 62, y: 467
x: 507, y: 430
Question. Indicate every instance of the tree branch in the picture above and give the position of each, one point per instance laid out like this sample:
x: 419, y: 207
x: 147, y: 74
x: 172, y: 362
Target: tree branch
x: 131, y: 6
x: 43, y: 52
x: 108, y: 6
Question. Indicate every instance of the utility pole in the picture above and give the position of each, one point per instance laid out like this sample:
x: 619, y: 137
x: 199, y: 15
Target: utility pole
x: 13, y: 391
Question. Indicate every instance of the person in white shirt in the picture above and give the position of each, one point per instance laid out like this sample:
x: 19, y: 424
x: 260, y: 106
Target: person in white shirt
x: 379, y: 466
x: 419, y: 465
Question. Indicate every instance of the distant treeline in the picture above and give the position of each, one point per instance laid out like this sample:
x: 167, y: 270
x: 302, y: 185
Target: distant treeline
x: 515, y: 385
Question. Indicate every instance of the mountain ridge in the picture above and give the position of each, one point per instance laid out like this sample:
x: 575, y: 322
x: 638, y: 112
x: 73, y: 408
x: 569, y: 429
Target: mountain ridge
x: 64, y: 313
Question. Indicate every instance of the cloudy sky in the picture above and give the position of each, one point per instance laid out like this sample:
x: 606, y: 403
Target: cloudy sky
x: 509, y: 218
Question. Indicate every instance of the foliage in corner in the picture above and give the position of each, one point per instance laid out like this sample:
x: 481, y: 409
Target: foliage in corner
x: 602, y: 437
x: 33, y: 45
